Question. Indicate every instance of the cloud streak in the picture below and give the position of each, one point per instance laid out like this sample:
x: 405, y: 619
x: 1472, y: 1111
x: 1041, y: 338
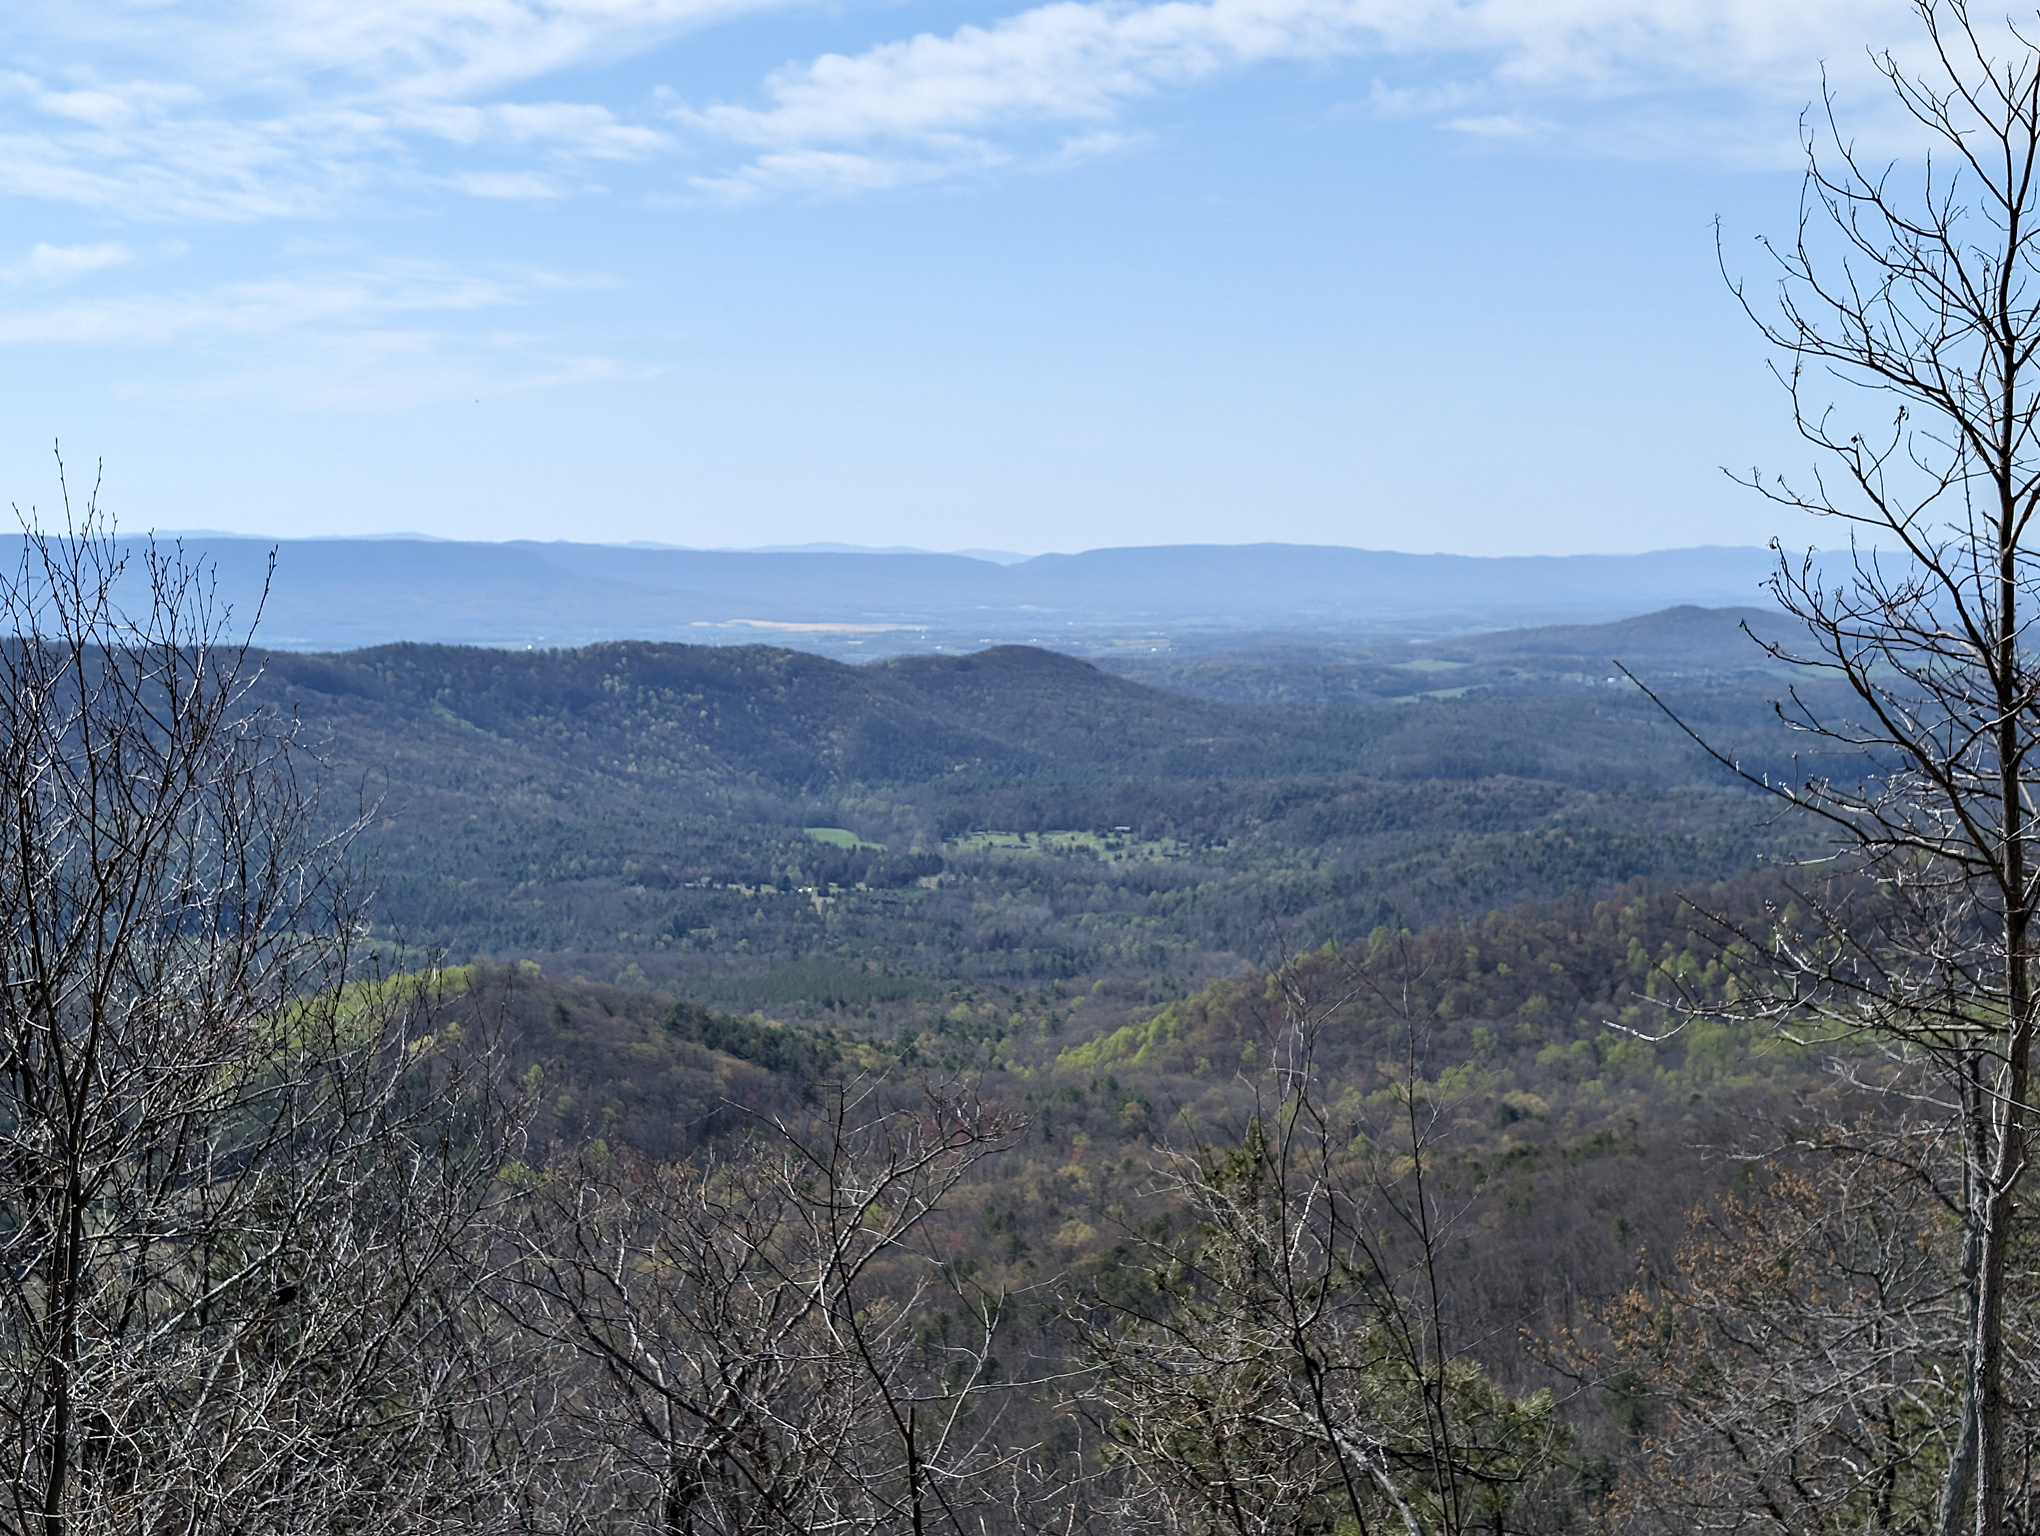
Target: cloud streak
x: 936, y: 105
x: 265, y: 109
x: 300, y: 108
x: 364, y: 337
x: 366, y: 297
x: 48, y: 265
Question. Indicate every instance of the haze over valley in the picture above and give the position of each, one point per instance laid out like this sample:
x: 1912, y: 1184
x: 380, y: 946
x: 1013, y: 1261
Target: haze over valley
x: 341, y: 594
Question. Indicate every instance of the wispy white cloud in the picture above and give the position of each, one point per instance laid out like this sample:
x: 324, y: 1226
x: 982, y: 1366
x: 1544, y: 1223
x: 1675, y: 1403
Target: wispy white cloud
x: 268, y: 307
x: 51, y: 264
x: 422, y: 50
x: 935, y: 105
x: 250, y: 109
x: 1501, y: 125
x: 379, y: 369
x: 509, y: 186
x: 368, y: 336
x: 578, y: 128
x: 256, y: 109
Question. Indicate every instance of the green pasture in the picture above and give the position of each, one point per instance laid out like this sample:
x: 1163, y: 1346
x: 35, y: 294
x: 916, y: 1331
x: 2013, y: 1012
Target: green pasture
x: 838, y: 837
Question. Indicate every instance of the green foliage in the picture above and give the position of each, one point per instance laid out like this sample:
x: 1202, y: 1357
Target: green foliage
x: 838, y: 837
x: 775, y: 1048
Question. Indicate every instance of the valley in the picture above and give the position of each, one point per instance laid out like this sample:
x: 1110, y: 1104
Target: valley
x: 1073, y: 889
x: 945, y: 1075
x: 1007, y: 818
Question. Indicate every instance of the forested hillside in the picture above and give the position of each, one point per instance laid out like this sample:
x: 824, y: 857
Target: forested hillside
x: 658, y: 1088
x: 1013, y: 815
x: 703, y: 885
x: 1570, y: 1131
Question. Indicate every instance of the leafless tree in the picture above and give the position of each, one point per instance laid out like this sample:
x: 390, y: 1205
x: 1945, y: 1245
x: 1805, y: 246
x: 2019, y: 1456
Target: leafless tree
x: 1916, y: 298
x: 747, y: 1337
x: 234, y: 1166
x: 1292, y: 1368
x: 1797, y: 1366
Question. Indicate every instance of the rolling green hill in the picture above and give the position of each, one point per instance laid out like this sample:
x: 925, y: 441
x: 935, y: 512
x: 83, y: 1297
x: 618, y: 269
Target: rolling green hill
x: 714, y: 880
x: 647, y: 803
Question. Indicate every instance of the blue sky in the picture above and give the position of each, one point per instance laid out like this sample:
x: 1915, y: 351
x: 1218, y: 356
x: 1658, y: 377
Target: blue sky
x: 1404, y: 274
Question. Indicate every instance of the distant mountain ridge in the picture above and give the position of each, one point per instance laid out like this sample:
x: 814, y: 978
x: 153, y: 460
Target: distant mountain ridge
x: 343, y: 594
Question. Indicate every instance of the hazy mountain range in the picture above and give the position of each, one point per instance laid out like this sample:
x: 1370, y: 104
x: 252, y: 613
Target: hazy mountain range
x: 338, y: 594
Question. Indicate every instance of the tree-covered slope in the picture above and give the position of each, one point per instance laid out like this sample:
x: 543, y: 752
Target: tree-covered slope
x: 649, y: 799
